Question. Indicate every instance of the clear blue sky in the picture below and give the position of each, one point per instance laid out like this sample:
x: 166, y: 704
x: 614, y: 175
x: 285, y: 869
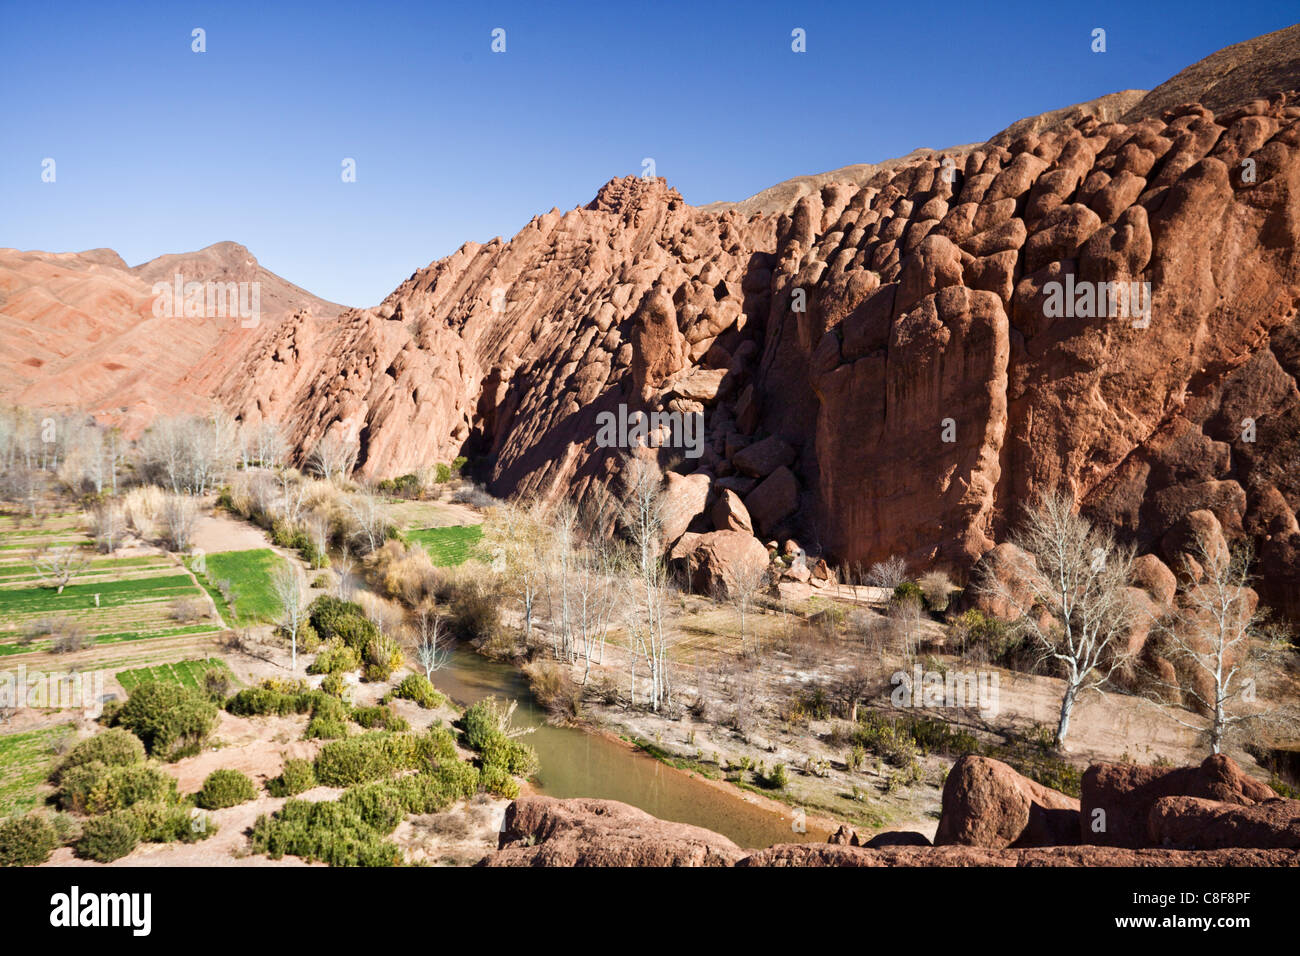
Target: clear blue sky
x: 160, y: 149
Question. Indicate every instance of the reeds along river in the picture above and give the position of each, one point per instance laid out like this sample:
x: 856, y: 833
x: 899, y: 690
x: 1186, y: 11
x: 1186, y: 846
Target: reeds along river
x: 579, y: 764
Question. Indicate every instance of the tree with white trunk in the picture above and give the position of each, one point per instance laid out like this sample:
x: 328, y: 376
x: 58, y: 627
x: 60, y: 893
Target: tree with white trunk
x: 291, y: 613
x: 1074, y: 608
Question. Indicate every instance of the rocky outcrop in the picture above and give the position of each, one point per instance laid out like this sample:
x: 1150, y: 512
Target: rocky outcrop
x: 543, y: 831
x: 1191, y: 823
x: 1117, y: 799
x: 715, y: 562
x: 824, y: 854
x: 988, y: 804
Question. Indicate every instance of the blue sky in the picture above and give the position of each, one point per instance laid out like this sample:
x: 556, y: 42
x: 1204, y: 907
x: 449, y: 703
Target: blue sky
x: 160, y: 149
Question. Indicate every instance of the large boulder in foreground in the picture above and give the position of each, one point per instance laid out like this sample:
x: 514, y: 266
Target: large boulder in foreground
x: 1190, y: 823
x: 1116, y: 799
x: 543, y: 831
x: 714, y: 562
x: 988, y: 804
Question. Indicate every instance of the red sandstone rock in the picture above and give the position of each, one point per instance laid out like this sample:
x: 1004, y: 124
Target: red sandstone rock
x: 1116, y: 799
x: 712, y: 560
x: 987, y: 804
x: 1190, y: 823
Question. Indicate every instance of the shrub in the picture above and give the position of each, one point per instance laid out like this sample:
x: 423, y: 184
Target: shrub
x: 169, y: 719
x: 346, y: 620
x: 335, y: 657
x: 498, y: 780
x: 262, y: 701
x: 110, y: 837
x: 330, y: 831
x: 225, y: 788
x: 334, y: 685
x: 382, y: 657
x: 775, y: 779
x: 937, y: 588
x: 216, y: 684
x: 297, y: 777
x: 379, y: 718
x: 418, y: 688
x: 377, y: 804
x: 475, y: 614
x: 96, y: 787
x: 909, y: 591
x: 160, y: 823
x: 114, y: 747
x: 329, y: 719
x: 26, y: 841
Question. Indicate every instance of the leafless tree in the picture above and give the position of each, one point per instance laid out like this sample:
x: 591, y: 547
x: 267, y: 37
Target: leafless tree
x: 889, y: 573
x: 291, y: 613
x: 430, y: 648
x: 748, y: 579
x: 1213, y: 637
x: 59, y: 565
x: 345, y: 568
x: 180, y: 515
x: 107, y: 525
x: 370, y: 518
x: 1074, y: 607
x: 641, y: 512
x: 333, y: 457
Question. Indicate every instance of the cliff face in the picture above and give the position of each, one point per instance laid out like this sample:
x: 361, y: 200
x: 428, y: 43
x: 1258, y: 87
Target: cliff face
x: 887, y: 367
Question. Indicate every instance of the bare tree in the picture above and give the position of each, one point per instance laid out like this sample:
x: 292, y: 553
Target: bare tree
x: 748, y: 578
x: 180, y: 515
x: 345, y: 568
x: 889, y: 573
x: 641, y: 514
x: 430, y: 649
x: 59, y: 565
x: 1074, y: 606
x: 291, y: 613
x: 370, y: 518
x: 333, y: 457
x: 107, y: 525
x: 1213, y: 637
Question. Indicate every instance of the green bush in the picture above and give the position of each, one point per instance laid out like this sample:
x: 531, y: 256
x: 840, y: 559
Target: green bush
x: 379, y: 806
x: 225, y: 788
x: 170, y: 720
x: 329, y: 831
x: 379, y: 718
x: 482, y: 731
x: 335, y: 657
x: 498, y: 780
x: 110, y: 837
x: 417, y: 687
x: 775, y: 779
x: 329, y: 718
x: 380, y: 754
x: 909, y: 591
x: 382, y: 657
x: 96, y: 787
x: 26, y: 841
x: 160, y: 823
x: 346, y: 620
x: 297, y: 777
x: 334, y: 685
x: 114, y: 747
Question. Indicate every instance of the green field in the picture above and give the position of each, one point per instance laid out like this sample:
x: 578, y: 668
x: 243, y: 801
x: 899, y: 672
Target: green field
x: 449, y: 546
x: 135, y: 594
x: 185, y: 673
x: 249, y: 574
x: 25, y: 762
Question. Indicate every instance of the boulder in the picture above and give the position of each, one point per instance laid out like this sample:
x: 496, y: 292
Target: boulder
x: 1153, y: 576
x: 988, y: 804
x: 774, y: 500
x: 763, y: 457
x: 1015, y: 570
x: 1116, y: 799
x: 713, y: 561
x: 543, y: 831
x: 1193, y: 823
x: 730, y: 514
x: 684, y: 498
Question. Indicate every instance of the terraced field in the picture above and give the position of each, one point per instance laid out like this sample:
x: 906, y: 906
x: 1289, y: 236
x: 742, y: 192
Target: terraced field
x: 25, y: 762
x: 117, y: 600
x: 249, y: 576
x: 448, y: 546
x: 185, y: 673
